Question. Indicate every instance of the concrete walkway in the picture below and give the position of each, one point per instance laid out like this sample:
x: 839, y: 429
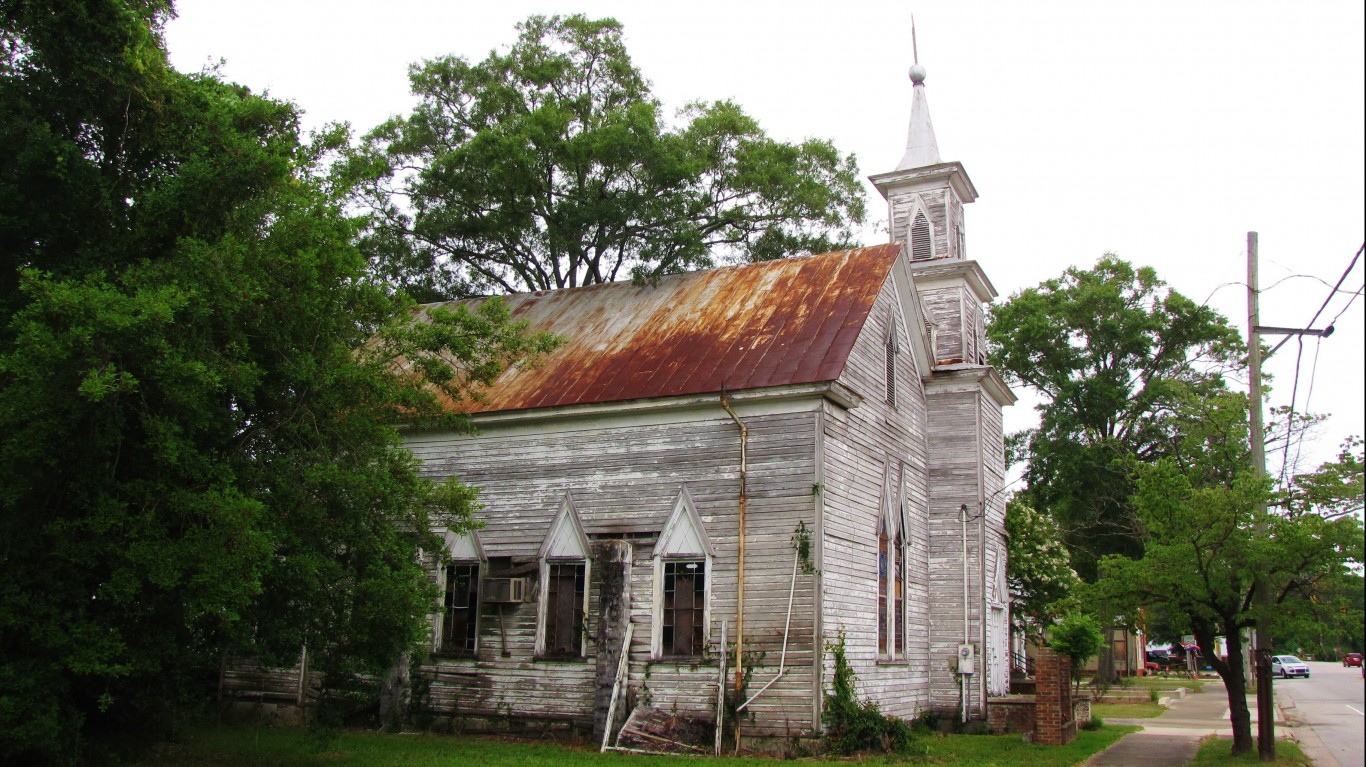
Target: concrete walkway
x: 1171, y: 740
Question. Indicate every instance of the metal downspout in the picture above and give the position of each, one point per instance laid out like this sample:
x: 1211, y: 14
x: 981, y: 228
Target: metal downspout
x: 967, y: 631
x: 740, y: 560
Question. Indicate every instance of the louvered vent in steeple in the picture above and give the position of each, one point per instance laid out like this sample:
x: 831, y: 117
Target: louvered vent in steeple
x: 921, y: 246
x: 890, y: 350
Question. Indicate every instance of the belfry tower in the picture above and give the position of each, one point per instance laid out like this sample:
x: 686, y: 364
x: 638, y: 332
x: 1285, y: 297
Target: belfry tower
x: 964, y: 439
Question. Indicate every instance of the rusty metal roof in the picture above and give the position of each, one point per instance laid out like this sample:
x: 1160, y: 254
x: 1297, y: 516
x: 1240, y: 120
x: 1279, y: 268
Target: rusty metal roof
x: 789, y: 321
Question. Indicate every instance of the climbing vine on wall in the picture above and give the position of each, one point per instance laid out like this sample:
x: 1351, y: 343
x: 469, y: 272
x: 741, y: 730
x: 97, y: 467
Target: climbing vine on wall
x: 801, y: 543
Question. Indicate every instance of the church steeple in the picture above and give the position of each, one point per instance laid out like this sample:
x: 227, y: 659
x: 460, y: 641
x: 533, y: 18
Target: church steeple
x: 925, y: 199
x: 921, y: 148
x: 925, y: 195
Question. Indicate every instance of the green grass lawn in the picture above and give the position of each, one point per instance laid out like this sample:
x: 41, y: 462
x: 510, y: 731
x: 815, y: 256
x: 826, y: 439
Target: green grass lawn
x: 995, y: 750
x: 1126, y: 710
x: 252, y: 747
x: 1214, y: 752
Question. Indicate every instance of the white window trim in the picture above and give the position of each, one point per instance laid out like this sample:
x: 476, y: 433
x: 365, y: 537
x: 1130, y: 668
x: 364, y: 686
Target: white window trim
x: 894, y: 518
x: 460, y: 549
x: 1002, y: 585
x: 669, y: 549
x: 565, y: 530
x: 891, y: 342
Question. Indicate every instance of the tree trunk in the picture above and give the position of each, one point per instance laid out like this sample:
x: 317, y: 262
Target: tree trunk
x: 1231, y: 671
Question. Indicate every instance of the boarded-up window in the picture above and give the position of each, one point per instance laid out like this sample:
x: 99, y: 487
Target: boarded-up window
x: 564, y: 610
x: 883, y: 566
x: 459, y: 624
x: 685, y: 593
x: 921, y: 247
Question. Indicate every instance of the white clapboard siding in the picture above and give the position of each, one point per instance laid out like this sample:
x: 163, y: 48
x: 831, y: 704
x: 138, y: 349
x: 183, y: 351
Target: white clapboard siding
x: 957, y: 477
x: 934, y: 202
x: 624, y: 478
x: 864, y: 449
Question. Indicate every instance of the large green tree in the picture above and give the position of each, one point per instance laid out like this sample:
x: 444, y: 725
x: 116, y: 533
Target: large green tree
x: 1110, y: 350
x: 198, y: 391
x: 550, y: 165
x: 1207, y: 540
x: 1333, y: 621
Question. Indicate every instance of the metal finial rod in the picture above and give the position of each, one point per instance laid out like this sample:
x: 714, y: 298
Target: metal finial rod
x: 915, y: 54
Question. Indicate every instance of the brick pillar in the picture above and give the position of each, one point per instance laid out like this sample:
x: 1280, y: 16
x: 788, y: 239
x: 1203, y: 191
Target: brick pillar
x: 613, y: 560
x: 1054, y: 724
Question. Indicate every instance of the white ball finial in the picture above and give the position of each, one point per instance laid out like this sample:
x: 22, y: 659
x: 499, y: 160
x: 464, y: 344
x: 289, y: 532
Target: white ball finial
x: 917, y: 74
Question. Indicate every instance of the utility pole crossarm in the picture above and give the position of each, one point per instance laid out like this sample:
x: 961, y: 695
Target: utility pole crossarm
x: 1268, y: 330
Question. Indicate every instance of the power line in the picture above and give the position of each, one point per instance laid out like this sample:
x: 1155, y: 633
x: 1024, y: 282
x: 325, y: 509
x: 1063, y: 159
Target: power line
x: 1313, y: 373
x: 1289, y: 277
x: 1290, y: 414
x: 1331, y: 293
x: 1349, y: 304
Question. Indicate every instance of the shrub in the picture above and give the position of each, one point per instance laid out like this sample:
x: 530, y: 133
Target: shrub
x: 1094, y: 723
x: 853, y: 725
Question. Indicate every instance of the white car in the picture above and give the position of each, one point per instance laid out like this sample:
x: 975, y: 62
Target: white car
x: 1288, y: 666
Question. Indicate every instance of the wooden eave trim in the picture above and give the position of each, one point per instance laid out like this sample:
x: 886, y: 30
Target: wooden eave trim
x: 913, y: 314
x: 952, y: 172
x: 832, y: 390
x: 964, y: 377
x: 937, y: 272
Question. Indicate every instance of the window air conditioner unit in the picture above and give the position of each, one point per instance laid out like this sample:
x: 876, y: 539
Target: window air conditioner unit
x: 505, y: 590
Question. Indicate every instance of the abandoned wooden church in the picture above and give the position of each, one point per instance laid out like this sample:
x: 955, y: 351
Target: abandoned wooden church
x: 765, y: 460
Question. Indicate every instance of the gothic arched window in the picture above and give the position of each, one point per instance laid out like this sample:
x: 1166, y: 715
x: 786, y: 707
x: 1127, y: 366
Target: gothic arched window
x: 884, y: 566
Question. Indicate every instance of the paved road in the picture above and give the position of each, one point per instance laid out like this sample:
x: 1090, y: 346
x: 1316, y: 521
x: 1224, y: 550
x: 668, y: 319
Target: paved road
x: 1327, y: 710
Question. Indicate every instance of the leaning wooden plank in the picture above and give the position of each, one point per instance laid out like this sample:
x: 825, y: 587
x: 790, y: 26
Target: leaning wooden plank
x: 640, y: 751
x: 616, y: 684
x: 662, y: 739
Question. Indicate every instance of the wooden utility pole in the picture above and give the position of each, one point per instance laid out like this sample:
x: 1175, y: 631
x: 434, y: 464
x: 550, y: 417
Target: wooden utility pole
x: 1266, y: 712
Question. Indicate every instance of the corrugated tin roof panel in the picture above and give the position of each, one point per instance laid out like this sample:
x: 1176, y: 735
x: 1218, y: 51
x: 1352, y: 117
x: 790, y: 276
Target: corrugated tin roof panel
x: 790, y: 321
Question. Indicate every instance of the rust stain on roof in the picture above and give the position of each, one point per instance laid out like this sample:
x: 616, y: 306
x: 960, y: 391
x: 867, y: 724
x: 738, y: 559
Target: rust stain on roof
x: 790, y: 321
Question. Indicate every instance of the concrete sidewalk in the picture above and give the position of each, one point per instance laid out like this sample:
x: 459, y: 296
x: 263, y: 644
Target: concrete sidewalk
x: 1171, y: 740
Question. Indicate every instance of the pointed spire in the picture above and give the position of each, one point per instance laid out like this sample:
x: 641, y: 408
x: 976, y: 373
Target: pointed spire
x: 921, y: 148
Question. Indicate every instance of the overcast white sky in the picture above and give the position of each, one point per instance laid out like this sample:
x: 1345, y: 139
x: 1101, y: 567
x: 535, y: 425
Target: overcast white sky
x: 1160, y: 131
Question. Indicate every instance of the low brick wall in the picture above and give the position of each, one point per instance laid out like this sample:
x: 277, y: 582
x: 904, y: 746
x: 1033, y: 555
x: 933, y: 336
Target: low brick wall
x: 1123, y: 696
x: 1015, y: 713
x: 1012, y: 713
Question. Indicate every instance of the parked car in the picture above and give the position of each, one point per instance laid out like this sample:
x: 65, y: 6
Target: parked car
x: 1288, y: 666
x: 1163, y: 660
x: 1351, y: 659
